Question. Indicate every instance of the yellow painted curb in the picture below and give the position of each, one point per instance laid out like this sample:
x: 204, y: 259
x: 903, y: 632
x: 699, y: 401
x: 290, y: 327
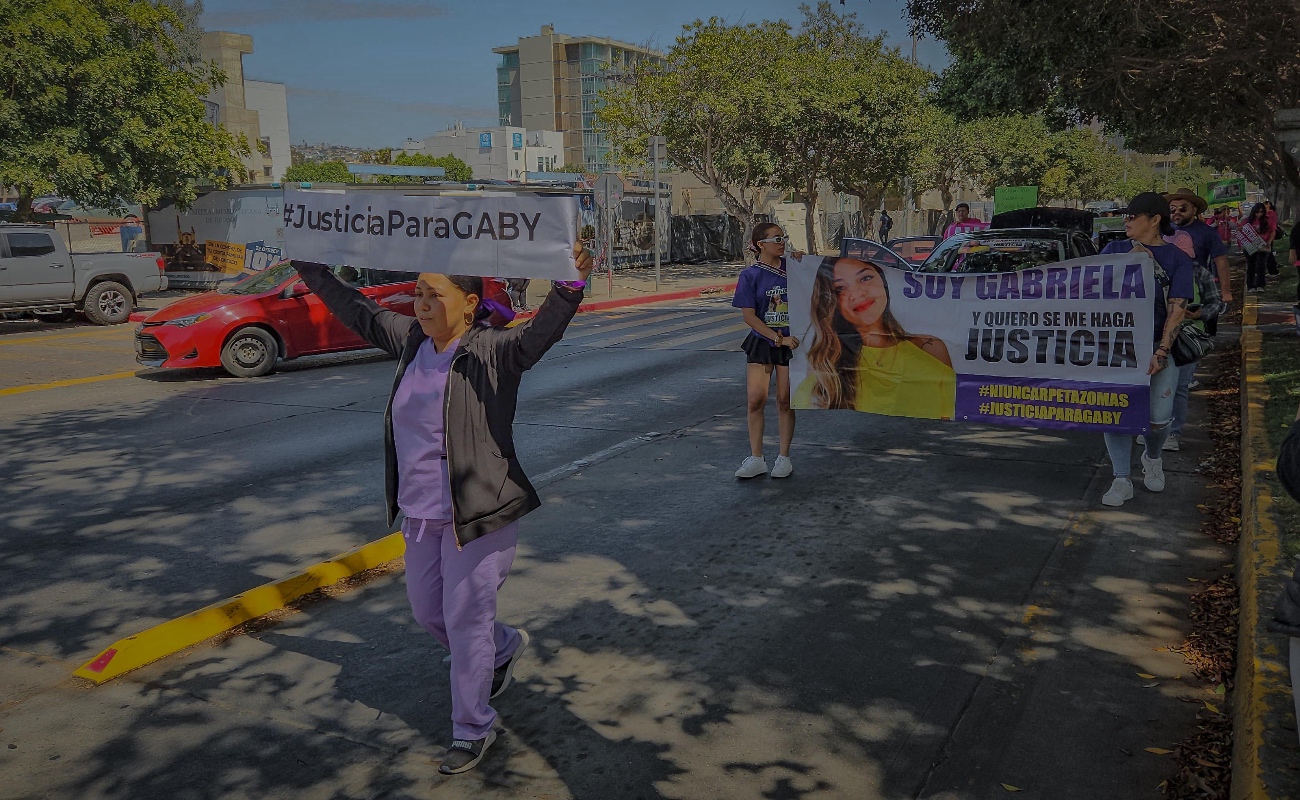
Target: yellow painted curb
x: 175, y: 635
x: 1261, y: 667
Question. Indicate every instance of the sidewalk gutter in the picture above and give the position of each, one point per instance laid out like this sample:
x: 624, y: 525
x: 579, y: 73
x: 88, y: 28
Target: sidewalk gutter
x: 1263, y: 691
x: 175, y: 635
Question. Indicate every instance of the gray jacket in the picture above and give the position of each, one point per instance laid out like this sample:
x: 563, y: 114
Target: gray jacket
x: 489, y: 489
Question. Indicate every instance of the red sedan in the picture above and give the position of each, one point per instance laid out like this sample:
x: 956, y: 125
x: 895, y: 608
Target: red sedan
x: 248, y: 326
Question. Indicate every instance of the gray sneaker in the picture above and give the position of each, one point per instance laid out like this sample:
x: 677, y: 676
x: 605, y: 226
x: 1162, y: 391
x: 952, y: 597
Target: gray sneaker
x: 464, y: 755
x: 1172, y: 443
x: 501, y: 675
x: 1121, y: 489
x: 1153, y: 474
x: 782, y: 468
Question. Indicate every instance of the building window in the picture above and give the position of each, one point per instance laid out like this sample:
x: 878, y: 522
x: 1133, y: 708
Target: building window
x: 516, y: 156
x: 266, y: 172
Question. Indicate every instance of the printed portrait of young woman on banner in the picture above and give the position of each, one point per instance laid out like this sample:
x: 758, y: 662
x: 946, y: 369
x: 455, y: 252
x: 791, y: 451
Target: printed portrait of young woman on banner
x: 860, y: 356
x: 1057, y: 345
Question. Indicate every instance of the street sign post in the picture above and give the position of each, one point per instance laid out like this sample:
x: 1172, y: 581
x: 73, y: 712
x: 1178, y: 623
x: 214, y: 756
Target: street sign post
x: 609, y: 187
x: 658, y: 152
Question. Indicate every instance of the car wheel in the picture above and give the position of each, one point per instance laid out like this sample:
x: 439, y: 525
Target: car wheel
x: 250, y: 353
x: 108, y: 303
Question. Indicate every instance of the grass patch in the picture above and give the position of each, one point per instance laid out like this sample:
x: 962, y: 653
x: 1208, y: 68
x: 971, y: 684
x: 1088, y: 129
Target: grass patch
x: 1281, y: 367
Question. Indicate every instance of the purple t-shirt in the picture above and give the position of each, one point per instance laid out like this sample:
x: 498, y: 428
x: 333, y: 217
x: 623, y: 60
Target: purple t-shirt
x: 763, y: 290
x: 423, y: 487
x: 1176, y: 264
x: 1209, y: 245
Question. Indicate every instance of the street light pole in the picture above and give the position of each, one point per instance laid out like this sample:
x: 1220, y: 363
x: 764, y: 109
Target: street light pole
x: 657, y: 143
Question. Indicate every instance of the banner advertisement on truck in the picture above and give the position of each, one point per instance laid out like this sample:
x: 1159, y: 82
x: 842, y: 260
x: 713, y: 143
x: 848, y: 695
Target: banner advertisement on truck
x: 224, y: 233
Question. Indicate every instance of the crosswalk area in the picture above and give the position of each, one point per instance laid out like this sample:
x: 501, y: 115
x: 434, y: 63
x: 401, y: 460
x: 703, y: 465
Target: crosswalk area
x: 700, y: 325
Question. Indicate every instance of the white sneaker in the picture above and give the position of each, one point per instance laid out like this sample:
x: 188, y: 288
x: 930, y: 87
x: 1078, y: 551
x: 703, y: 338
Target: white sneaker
x: 1140, y: 440
x: 751, y: 467
x: 782, y: 468
x: 1172, y: 443
x: 1121, y: 489
x: 1153, y: 474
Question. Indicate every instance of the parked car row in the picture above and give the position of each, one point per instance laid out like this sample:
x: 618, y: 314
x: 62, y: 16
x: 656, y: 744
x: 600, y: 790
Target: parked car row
x: 246, y: 327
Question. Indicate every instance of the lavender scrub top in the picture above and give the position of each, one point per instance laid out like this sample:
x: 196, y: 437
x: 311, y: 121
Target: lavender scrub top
x: 423, y: 488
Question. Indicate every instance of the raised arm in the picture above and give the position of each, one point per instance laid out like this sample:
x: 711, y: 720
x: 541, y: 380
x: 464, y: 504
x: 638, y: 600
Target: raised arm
x: 522, y: 346
x: 382, y: 327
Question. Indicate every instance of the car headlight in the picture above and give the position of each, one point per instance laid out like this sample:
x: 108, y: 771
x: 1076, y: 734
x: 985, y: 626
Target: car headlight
x: 185, y: 322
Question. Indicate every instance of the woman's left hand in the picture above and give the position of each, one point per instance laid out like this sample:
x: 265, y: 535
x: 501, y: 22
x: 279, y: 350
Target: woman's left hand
x: 1157, y: 364
x: 794, y: 343
x: 582, y: 260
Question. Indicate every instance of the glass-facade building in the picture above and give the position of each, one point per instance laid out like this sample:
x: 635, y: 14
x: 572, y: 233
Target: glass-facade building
x: 553, y: 82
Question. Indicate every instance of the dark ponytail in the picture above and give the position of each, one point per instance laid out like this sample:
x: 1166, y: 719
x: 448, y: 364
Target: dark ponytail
x: 472, y: 284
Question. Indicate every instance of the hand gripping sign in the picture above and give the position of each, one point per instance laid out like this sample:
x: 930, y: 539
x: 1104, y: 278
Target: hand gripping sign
x: 491, y: 234
x: 1062, y: 345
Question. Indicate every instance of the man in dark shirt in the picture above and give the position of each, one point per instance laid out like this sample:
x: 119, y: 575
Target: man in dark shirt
x: 1185, y: 209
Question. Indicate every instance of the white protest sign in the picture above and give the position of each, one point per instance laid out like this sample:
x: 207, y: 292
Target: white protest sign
x: 496, y: 234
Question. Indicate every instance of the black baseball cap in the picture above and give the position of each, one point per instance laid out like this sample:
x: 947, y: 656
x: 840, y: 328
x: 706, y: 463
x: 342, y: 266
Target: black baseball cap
x: 1152, y: 204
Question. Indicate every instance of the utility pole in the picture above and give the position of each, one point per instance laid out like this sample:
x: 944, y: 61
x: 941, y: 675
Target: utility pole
x: 658, y: 144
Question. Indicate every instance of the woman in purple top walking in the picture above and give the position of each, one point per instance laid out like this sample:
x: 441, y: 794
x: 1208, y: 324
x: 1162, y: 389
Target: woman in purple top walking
x: 761, y: 294
x: 451, y: 468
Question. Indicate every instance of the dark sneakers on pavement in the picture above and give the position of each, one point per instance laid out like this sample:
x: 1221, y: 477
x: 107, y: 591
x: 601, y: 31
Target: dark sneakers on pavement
x: 503, y: 674
x: 464, y: 755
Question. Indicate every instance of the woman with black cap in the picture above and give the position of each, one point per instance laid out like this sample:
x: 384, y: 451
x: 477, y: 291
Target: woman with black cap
x: 1147, y: 222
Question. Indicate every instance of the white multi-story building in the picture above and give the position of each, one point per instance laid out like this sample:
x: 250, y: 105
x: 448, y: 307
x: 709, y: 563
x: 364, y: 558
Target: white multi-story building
x: 270, y: 102
x: 504, y: 153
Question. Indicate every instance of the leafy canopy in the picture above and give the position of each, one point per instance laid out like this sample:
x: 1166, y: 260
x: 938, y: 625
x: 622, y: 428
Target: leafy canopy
x: 97, y: 108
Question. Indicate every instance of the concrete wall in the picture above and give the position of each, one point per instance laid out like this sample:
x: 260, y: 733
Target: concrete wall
x: 270, y: 102
x: 537, y: 81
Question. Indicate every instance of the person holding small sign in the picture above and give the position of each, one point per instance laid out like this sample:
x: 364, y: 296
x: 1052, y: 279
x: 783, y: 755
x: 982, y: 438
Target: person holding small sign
x: 451, y: 468
x: 1147, y: 221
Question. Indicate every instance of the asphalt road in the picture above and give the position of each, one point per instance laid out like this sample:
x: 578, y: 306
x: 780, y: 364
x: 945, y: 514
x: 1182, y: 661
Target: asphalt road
x: 922, y: 610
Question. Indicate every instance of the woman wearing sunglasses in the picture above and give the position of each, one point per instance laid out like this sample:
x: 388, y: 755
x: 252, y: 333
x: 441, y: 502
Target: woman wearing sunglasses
x: 761, y: 294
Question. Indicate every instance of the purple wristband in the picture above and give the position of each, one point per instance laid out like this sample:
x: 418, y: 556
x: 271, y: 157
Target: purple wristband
x: 575, y: 285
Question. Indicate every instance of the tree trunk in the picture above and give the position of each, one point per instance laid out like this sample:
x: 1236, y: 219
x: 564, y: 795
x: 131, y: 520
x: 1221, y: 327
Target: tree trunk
x: 24, y: 212
x: 810, y: 217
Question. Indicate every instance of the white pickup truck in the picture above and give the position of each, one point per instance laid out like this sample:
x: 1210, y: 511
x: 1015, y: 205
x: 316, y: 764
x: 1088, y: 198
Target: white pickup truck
x: 39, y: 275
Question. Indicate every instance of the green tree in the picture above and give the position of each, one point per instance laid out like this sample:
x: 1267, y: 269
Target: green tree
x: 575, y: 169
x: 96, y: 108
x: 711, y: 101
x: 1167, y: 74
x: 457, y: 171
x: 319, y: 172
x: 944, y: 160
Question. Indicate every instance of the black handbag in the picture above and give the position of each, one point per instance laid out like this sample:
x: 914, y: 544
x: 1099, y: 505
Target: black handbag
x: 1190, y: 344
x: 1273, y: 268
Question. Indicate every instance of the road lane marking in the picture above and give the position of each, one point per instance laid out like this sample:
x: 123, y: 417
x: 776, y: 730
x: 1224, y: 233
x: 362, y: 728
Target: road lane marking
x: 40, y: 387
x: 38, y: 339
x: 659, y: 331
x: 646, y: 320
x: 698, y: 337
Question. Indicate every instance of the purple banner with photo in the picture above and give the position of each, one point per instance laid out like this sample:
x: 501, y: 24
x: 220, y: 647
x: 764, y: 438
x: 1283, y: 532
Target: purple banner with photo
x: 1051, y: 403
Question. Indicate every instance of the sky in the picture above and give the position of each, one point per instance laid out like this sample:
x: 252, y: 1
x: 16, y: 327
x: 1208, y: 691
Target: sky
x: 371, y: 73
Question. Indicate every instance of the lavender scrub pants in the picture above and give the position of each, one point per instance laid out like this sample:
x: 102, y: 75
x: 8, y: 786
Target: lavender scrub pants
x: 453, y: 596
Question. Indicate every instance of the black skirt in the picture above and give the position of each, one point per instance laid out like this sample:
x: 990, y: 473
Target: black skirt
x: 761, y: 351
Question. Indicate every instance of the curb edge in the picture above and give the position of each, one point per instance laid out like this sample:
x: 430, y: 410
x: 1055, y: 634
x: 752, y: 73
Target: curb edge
x: 172, y: 636
x: 1261, y: 670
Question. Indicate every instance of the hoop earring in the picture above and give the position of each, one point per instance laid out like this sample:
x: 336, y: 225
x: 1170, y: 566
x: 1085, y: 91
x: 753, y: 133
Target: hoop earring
x: 469, y: 318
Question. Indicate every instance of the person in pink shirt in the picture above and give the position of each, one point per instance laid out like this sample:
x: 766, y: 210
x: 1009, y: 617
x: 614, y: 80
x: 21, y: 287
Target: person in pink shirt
x: 964, y: 222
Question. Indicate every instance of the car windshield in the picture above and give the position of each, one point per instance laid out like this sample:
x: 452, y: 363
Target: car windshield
x: 263, y: 281
x: 994, y: 254
x: 914, y: 250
